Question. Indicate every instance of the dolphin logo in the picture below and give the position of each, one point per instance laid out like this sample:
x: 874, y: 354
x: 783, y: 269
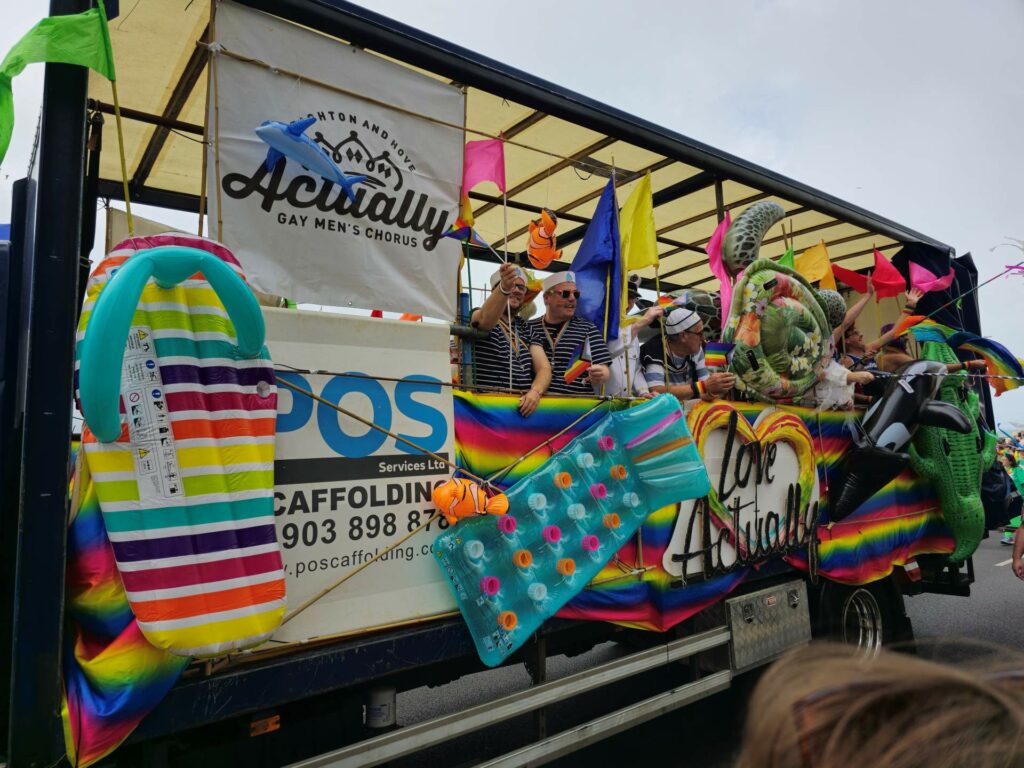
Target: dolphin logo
x: 880, y: 439
x: 289, y: 140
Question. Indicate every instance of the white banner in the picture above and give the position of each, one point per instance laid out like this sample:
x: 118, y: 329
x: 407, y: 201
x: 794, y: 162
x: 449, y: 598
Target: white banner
x: 344, y: 492
x: 297, y: 234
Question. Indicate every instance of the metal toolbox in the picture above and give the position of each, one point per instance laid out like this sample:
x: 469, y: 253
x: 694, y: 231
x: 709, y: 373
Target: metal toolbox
x: 768, y: 622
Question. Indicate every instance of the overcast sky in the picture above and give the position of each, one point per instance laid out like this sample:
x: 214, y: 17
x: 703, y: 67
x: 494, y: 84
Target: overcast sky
x: 913, y: 110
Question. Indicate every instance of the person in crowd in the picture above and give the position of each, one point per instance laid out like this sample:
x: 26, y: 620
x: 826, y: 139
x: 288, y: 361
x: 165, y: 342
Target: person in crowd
x: 1018, y: 553
x: 856, y: 355
x: 625, y: 350
x: 1014, y: 470
x: 834, y: 389
x: 892, y: 352
x: 832, y: 706
x: 511, y: 357
x: 682, y: 351
x: 571, y: 343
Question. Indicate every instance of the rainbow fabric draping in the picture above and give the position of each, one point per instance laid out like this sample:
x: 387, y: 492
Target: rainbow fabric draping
x: 112, y: 675
x: 653, y: 599
x: 900, y: 522
x: 490, y: 433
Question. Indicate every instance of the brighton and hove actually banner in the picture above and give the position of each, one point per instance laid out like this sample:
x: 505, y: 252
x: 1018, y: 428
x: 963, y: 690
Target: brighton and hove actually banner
x: 345, y: 492
x: 298, y: 234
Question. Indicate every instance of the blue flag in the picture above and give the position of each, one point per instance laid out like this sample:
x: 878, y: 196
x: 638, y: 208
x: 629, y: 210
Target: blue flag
x: 596, y: 260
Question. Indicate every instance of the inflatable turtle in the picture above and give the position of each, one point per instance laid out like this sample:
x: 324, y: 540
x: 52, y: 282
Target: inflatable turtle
x: 835, y: 306
x: 708, y: 305
x: 780, y: 330
x: 742, y: 243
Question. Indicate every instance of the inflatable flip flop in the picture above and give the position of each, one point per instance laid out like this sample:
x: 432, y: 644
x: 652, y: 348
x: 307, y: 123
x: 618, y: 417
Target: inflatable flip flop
x: 179, y: 398
x: 565, y: 521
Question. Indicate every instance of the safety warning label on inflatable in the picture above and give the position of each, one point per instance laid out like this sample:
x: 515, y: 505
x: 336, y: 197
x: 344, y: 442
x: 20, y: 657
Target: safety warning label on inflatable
x: 145, y: 404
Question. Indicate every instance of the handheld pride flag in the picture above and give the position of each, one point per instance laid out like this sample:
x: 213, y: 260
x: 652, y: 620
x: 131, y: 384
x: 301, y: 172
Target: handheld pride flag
x: 579, y: 363
x: 718, y: 354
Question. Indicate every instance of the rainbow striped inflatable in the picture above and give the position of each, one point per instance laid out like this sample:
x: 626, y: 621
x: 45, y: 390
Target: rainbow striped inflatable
x: 186, y: 489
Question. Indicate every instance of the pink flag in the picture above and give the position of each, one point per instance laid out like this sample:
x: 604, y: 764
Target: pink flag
x: 925, y: 280
x: 484, y: 161
x: 714, y: 251
x: 886, y: 278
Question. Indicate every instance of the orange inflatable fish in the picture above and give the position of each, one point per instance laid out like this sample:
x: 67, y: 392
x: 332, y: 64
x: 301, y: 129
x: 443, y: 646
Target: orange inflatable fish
x: 541, y: 247
x: 460, y: 498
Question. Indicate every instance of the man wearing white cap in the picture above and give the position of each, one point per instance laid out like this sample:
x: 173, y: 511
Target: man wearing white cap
x: 687, y: 377
x: 510, y: 357
x: 578, y: 354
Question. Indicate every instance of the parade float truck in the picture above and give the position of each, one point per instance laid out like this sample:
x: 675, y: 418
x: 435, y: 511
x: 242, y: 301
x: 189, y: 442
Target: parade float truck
x: 239, y: 556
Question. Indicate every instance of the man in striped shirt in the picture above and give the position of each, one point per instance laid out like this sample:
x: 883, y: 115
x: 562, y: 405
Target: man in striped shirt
x: 578, y: 354
x: 510, y: 357
x: 687, y: 377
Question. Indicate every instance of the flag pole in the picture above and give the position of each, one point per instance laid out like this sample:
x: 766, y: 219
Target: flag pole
x: 623, y: 283
x: 504, y: 240
x: 661, y: 326
x: 124, y: 165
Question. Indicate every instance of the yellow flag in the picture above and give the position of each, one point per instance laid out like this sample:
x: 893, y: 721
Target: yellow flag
x: 636, y: 228
x: 639, y: 243
x: 814, y: 265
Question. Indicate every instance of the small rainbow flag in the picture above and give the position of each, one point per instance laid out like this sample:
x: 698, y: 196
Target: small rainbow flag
x: 668, y: 301
x: 579, y: 364
x: 463, y: 229
x: 717, y: 354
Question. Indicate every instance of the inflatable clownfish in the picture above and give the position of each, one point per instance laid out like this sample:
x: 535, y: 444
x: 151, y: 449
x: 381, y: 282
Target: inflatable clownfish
x: 540, y: 248
x: 460, y: 498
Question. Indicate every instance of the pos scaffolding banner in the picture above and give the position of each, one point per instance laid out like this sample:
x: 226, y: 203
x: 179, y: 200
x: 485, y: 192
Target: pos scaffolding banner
x: 298, y: 234
x: 344, y: 492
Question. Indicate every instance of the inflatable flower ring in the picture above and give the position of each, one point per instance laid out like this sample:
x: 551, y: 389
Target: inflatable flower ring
x: 780, y: 331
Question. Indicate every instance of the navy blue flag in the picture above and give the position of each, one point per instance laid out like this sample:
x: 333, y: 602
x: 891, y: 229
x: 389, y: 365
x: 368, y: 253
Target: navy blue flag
x: 596, y: 260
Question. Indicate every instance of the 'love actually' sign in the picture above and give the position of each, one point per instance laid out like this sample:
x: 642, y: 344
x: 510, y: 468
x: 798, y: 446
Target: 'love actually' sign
x: 764, y: 496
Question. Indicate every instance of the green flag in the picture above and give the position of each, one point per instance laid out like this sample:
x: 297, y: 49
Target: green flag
x: 81, y: 38
x: 786, y: 259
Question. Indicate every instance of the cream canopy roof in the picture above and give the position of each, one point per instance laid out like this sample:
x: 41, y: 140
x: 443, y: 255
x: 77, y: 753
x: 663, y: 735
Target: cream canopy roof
x: 564, y: 144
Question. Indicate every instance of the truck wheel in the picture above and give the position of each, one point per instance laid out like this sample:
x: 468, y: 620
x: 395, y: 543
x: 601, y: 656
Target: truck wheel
x: 866, y: 616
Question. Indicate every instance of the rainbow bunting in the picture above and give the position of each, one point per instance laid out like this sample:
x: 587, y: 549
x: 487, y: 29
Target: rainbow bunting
x: 579, y: 364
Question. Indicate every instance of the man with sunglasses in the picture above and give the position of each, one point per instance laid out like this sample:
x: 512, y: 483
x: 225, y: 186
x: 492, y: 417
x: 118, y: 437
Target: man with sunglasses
x: 687, y: 377
x: 568, y: 339
x: 511, y: 357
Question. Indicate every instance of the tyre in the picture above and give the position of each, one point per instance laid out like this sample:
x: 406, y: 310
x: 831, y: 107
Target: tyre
x: 867, y: 616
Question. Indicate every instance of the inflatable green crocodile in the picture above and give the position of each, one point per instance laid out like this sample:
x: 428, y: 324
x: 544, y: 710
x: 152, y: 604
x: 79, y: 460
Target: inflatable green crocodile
x: 953, y: 462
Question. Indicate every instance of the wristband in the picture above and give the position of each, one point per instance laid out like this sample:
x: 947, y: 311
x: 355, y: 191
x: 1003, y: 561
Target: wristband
x: 702, y: 389
x: 909, y: 309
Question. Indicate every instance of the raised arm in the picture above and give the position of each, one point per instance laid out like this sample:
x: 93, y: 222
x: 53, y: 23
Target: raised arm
x: 488, y: 315
x: 853, y: 313
x: 913, y: 296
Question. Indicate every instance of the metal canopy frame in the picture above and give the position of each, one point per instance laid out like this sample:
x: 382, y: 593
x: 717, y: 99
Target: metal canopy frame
x: 545, y: 101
